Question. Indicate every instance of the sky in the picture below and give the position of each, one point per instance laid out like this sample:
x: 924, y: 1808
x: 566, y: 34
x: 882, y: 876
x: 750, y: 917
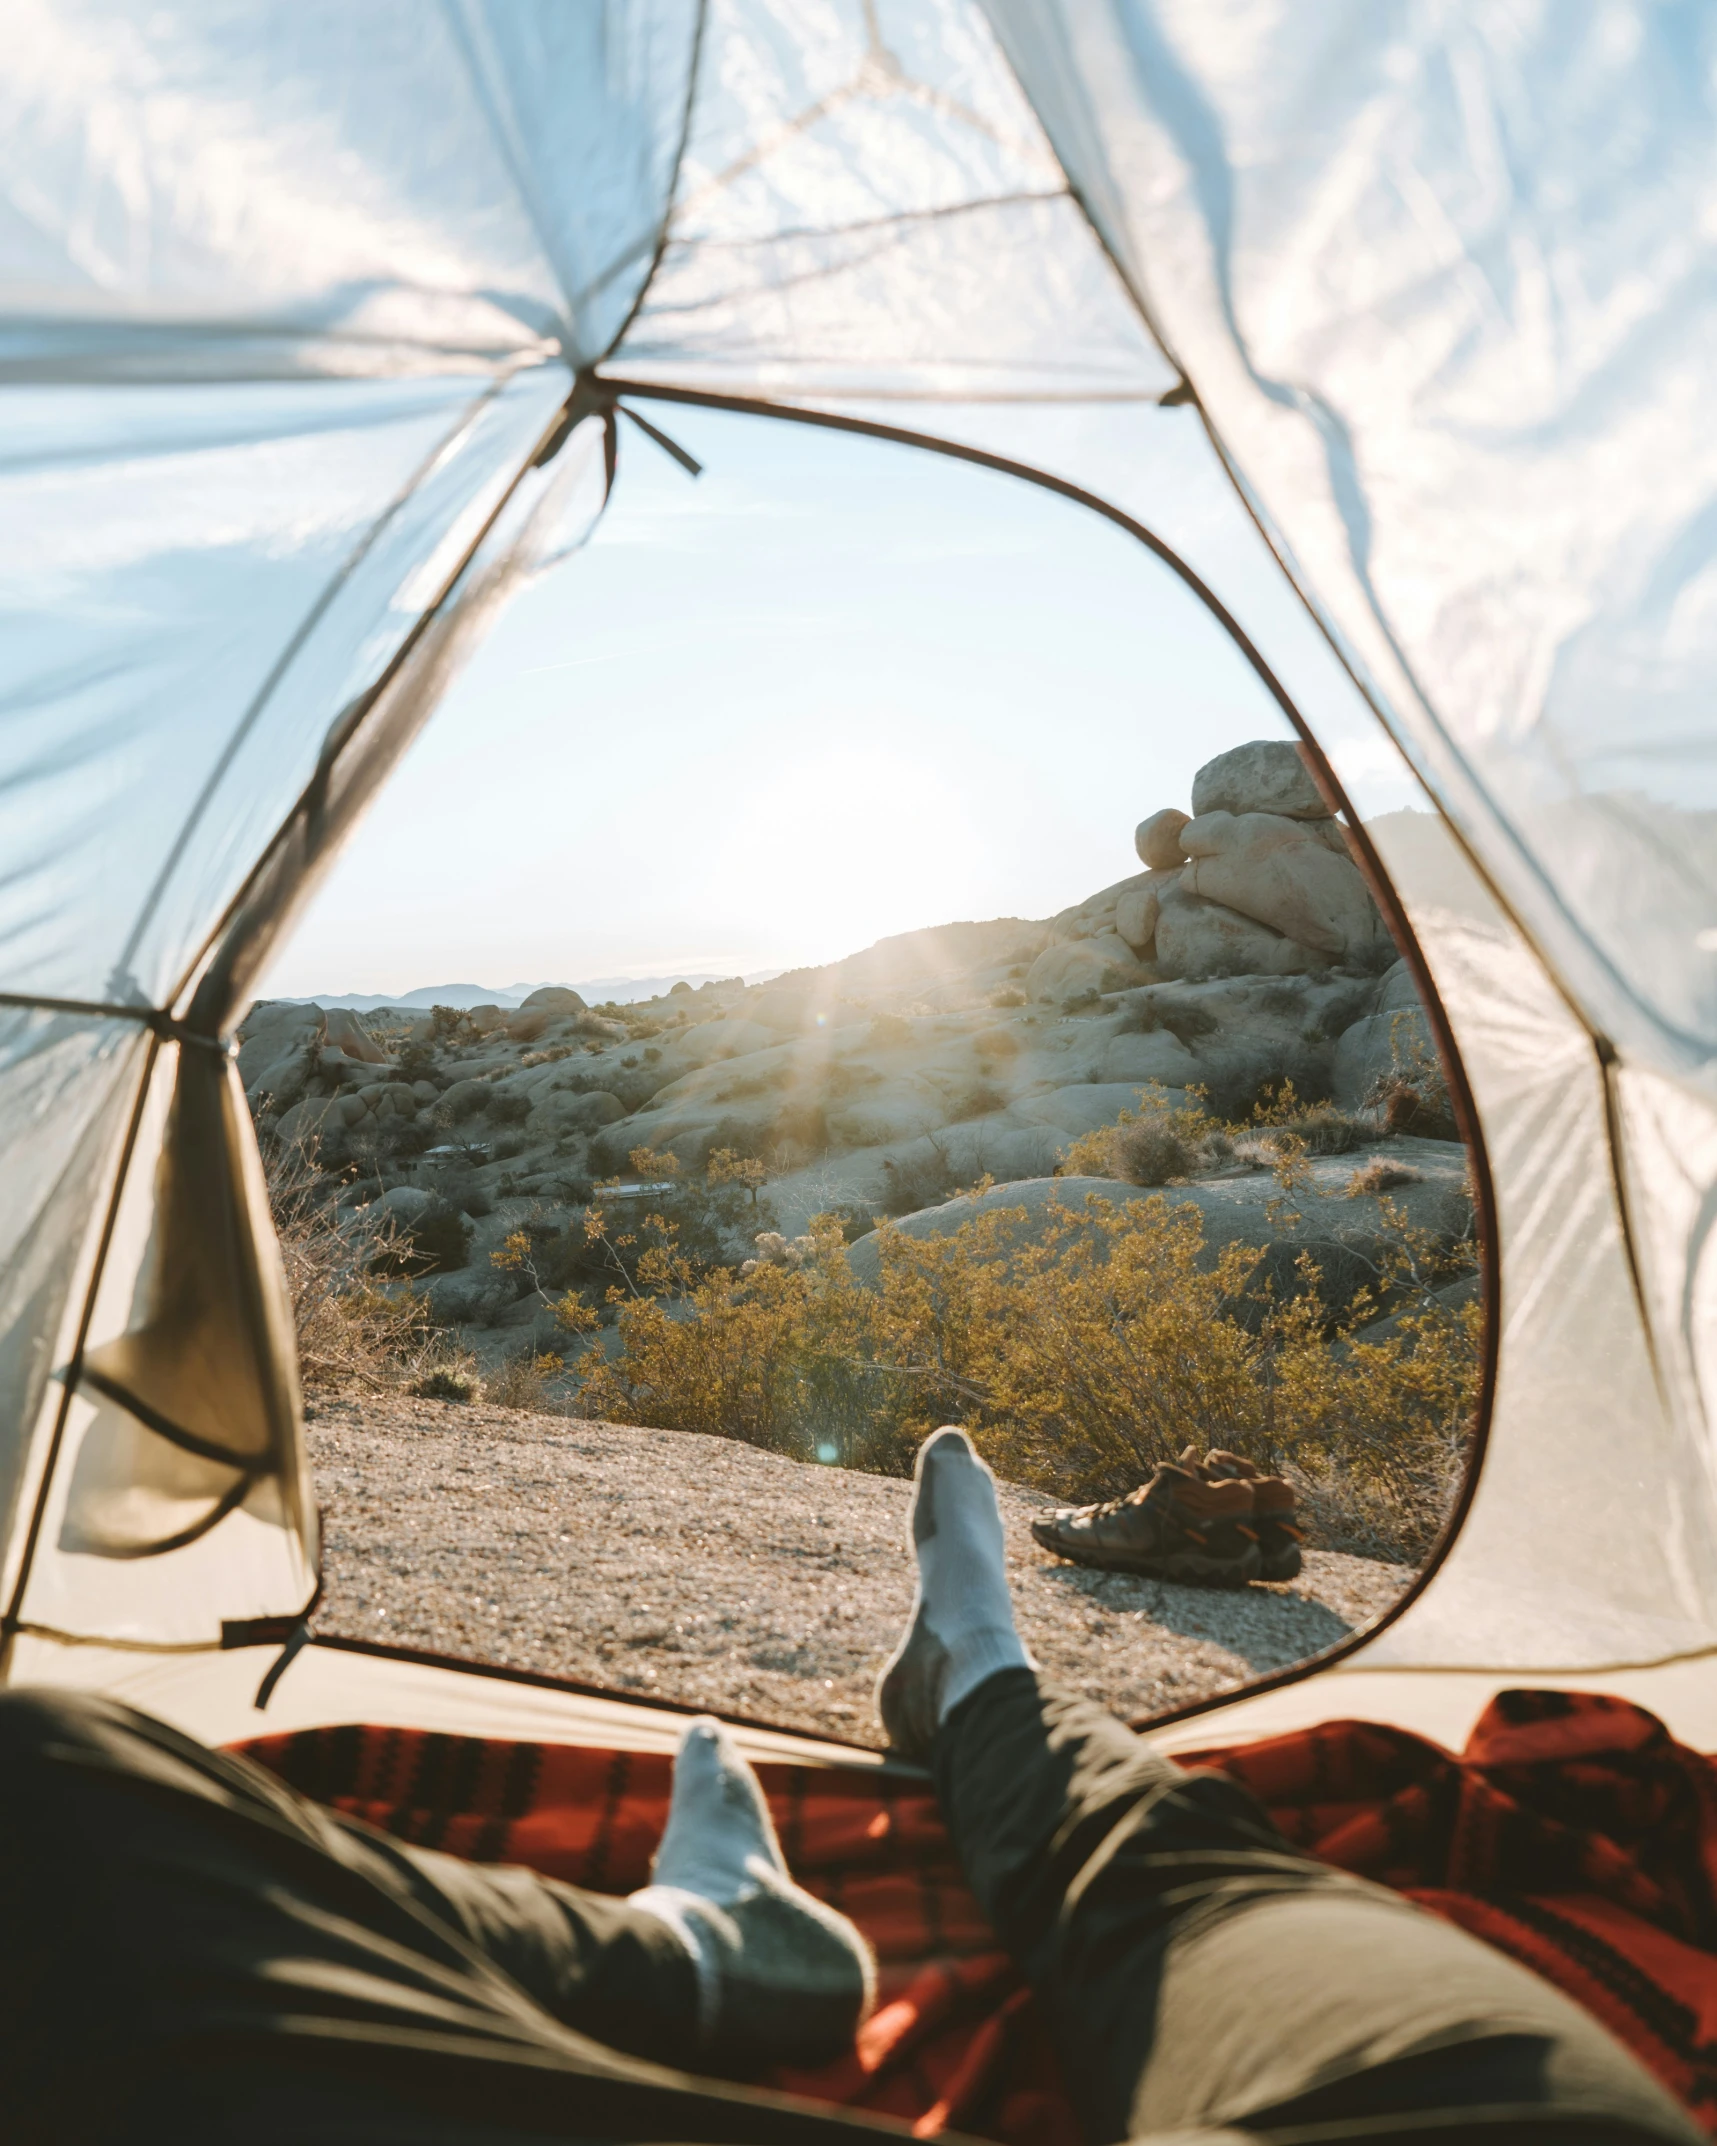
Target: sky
x: 830, y: 690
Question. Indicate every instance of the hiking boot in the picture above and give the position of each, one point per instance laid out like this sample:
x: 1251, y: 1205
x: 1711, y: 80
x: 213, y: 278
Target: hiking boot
x: 1178, y: 1526
x: 1275, y: 1507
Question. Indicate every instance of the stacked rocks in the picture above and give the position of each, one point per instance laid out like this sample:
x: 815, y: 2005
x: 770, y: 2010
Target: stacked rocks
x: 293, y: 1055
x: 1255, y: 881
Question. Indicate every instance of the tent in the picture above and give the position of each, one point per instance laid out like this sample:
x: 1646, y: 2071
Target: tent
x: 320, y: 330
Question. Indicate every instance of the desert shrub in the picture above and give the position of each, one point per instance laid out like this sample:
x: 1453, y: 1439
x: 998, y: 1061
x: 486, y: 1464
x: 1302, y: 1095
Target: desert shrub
x: 522, y: 1382
x: 997, y: 1043
x: 697, y: 1220
x: 417, y: 1060
x: 408, y: 1136
x: 1319, y: 1128
x: 508, y: 1106
x: 753, y: 1084
x: 920, y: 1181
x: 1413, y: 1096
x: 355, y: 1333
x: 437, y: 1241
x: 452, y: 1380
x: 1186, y: 1022
x: 1153, y: 1145
x: 801, y: 1129
x: 782, y: 1358
x: 1152, y: 1151
x: 448, y: 1025
x: 977, y: 1101
x: 1076, y: 1361
x: 1008, y: 995
x: 1380, y: 1175
x: 1420, y: 1106
x: 508, y: 1145
x: 1328, y: 1131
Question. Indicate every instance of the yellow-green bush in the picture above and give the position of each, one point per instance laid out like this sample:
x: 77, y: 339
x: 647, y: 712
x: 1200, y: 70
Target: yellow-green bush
x: 1077, y: 1359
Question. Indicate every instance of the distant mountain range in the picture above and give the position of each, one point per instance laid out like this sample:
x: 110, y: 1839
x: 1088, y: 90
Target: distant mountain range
x: 597, y: 991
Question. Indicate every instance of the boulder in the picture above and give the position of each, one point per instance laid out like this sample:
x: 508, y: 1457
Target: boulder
x: 1346, y: 1237
x: 486, y: 1019
x: 405, y: 1201
x: 1198, y: 938
x: 306, y: 1120
x: 1284, y: 873
x: 1269, y: 775
x: 426, y: 1091
x: 1159, y: 1056
x: 1078, y: 967
x: 334, y: 1063
x: 1136, y: 910
x: 552, y: 998
x: 1095, y: 915
x: 1083, y: 1107
x: 465, y: 1097
x: 560, y: 1112
x: 1157, y: 840
x: 277, y: 1052
x: 345, y: 1032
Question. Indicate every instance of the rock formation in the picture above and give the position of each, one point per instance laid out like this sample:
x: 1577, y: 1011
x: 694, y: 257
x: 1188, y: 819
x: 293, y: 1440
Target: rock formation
x: 1255, y: 881
x: 1246, y: 953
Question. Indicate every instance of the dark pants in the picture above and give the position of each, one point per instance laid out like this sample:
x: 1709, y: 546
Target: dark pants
x: 190, y: 1951
x: 1201, y: 1975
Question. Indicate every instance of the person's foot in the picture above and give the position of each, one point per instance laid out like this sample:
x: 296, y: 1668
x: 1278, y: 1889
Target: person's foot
x: 962, y: 1627
x: 782, y: 1978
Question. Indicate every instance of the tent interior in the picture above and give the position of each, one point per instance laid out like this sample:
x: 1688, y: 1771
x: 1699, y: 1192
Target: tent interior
x: 324, y: 330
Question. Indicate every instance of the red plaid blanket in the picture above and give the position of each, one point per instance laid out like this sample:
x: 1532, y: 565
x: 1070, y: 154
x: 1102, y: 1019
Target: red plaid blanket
x: 1572, y: 1833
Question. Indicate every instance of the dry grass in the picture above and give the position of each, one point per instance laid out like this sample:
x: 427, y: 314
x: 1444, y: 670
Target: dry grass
x: 1381, y: 1175
x: 358, y: 1332
x: 523, y: 1382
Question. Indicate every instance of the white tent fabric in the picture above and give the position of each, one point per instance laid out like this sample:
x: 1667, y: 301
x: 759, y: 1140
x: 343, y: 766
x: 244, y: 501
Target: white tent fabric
x: 293, y: 301
x: 1434, y: 274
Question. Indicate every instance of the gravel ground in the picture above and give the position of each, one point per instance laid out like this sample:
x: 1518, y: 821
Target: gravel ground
x: 702, y: 1571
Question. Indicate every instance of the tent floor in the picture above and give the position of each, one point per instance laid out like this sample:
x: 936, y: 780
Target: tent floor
x: 212, y: 1695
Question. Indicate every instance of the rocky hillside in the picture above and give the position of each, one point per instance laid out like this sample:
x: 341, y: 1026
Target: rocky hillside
x: 1245, y: 953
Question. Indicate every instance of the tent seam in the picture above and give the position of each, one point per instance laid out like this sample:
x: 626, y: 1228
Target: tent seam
x: 694, y: 68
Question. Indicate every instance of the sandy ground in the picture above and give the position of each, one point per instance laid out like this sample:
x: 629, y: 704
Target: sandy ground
x: 702, y: 1571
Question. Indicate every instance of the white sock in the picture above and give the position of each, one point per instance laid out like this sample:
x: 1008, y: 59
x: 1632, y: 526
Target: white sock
x: 718, y: 1829
x: 778, y: 1971
x: 962, y: 1567
x: 962, y: 1628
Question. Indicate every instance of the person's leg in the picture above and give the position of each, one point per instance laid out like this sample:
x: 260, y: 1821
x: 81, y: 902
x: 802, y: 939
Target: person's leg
x: 1197, y: 1971
x: 183, y: 1938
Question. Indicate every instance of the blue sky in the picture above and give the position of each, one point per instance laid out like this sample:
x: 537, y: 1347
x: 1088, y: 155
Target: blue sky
x: 830, y: 690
